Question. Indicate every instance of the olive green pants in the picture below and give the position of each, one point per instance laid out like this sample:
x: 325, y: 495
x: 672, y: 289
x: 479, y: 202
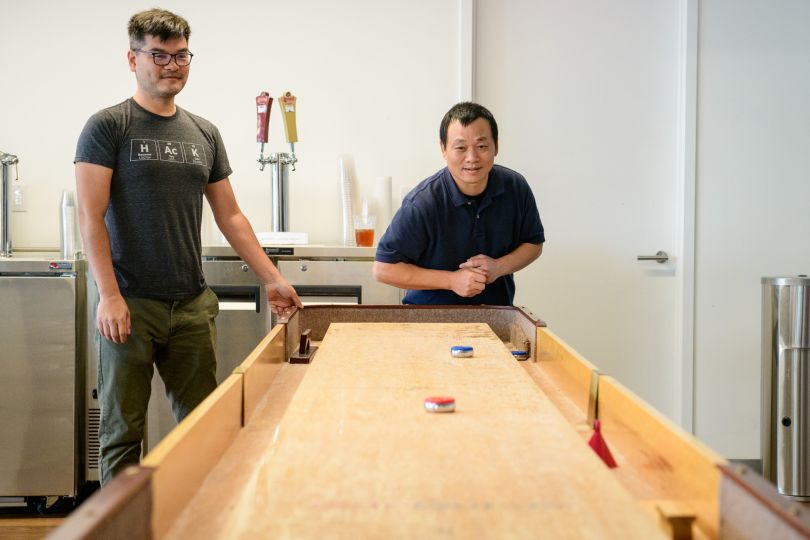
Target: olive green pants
x: 176, y: 336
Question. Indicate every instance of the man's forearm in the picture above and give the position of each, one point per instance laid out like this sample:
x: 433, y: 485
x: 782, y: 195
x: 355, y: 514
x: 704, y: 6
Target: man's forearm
x: 409, y: 276
x: 520, y: 258
x: 96, y: 240
x: 240, y: 236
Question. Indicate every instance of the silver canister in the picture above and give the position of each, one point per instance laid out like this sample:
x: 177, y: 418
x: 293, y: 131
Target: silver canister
x: 785, y: 413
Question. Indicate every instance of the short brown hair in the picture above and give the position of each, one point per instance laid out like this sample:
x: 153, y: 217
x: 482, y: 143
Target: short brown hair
x: 159, y: 23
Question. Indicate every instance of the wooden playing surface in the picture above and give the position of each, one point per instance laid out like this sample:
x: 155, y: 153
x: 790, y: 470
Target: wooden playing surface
x: 354, y: 454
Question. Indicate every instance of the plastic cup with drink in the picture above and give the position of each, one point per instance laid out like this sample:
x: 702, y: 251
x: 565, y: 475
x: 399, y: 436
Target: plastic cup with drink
x: 364, y: 230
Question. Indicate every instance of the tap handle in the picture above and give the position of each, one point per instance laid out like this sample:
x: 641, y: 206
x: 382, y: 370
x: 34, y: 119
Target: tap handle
x: 263, y: 104
x: 287, y: 102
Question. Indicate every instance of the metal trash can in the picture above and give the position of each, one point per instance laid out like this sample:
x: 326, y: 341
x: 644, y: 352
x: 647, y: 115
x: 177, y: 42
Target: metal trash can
x: 785, y: 435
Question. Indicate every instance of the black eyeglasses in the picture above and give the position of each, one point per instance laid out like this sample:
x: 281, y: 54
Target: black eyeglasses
x: 182, y: 58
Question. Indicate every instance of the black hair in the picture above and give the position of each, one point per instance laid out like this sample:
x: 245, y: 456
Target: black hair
x: 466, y: 113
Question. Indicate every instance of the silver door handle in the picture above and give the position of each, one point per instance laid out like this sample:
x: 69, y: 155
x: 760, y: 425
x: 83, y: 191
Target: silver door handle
x: 660, y: 257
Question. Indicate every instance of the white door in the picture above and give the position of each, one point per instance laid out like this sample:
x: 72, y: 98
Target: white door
x: 753, y: 196
x: 586, y: 96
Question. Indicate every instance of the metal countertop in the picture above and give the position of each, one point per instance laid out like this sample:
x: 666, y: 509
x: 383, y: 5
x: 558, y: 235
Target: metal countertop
x: 36, y: 265
x: 299, y: 251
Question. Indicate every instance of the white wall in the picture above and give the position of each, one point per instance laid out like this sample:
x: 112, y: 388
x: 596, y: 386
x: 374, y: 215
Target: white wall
x: 753, y: 194
x: 373, y: 80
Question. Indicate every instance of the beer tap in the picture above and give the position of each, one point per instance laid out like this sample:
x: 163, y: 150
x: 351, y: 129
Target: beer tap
x: 280, y: 162
x: 263, y: 104
x: 7, y: 160
x: 287, y: 102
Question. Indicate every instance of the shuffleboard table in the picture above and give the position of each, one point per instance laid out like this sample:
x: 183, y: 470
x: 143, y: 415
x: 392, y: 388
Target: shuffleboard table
x: 322, y: 432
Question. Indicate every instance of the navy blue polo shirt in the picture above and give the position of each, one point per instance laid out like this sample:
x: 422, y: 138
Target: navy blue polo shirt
x: 438, y: 227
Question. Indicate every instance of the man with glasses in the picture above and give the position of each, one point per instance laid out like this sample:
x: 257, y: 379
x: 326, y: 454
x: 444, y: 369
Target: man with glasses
x: 142, y: 169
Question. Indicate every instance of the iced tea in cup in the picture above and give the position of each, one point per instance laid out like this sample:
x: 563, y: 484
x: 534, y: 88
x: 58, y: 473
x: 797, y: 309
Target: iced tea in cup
x: 364, y: 231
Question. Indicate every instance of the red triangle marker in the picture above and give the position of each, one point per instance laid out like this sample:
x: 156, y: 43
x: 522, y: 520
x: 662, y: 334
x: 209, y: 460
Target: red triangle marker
x: 599, y: 446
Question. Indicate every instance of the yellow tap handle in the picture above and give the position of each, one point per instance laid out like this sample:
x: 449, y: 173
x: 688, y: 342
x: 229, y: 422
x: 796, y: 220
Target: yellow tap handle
x: 287, y: 103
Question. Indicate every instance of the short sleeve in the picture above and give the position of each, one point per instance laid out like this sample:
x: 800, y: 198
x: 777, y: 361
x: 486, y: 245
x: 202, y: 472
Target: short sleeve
x: 98, y: 141
x: 221, y: 168
x: 531, y: 228
x: 406, y: 237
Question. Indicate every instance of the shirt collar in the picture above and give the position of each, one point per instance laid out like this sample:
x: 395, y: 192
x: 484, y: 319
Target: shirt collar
x: 459, y: 199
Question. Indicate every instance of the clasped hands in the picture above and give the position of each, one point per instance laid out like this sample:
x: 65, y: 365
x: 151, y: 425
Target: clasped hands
x: 474, y: 275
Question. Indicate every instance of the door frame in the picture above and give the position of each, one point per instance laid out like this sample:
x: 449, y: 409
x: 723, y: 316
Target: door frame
x: 688, y: 26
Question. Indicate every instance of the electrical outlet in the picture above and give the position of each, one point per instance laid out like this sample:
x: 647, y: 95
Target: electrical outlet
x: 18, y: 199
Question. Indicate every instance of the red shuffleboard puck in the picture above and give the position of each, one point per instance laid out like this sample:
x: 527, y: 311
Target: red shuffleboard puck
x: 440, y: 404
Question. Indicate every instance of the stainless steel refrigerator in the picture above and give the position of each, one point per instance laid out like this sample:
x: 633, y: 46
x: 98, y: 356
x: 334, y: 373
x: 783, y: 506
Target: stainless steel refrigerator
x: 39, y: 446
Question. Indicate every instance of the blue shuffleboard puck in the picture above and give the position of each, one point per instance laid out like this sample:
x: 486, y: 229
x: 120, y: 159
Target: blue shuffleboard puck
x: 461, y: 351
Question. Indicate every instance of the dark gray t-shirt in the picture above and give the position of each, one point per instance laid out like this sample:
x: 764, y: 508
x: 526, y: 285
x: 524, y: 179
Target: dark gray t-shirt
x: 161, y: 167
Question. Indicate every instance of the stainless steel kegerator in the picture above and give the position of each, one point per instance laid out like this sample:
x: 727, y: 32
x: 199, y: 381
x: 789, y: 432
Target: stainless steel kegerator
x: 40, y: 446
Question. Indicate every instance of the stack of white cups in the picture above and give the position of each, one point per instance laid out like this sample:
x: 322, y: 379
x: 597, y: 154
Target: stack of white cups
x: 346, y: 202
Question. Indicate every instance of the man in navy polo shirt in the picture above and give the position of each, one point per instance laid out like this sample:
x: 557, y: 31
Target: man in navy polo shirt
x: 462, y: 233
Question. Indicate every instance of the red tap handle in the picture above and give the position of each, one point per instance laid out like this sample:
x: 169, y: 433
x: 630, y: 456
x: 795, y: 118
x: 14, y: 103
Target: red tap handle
x: 263, y: 103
